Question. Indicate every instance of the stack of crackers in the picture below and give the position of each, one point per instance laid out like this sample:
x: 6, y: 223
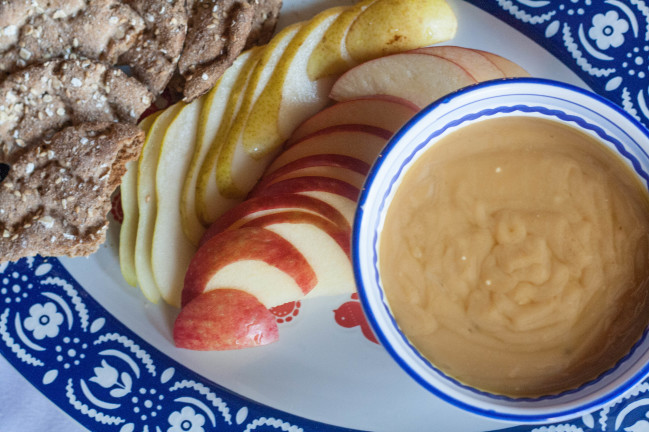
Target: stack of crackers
x: 75, y: 77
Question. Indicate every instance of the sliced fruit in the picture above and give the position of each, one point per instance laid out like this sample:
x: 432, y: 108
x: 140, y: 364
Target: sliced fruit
x: 322, y: 160
x: 346, y: 206
x: 330, y: 262
x: 254, y: 260
x: 387, y: 112
x: 390, y: 26
x: 204, y: 207
x: 509, y: 68
x: 224, y: 319
x: 296, y: 217
x: 352, y: 177
x: 308, y: 184
x: 146, y: 202
x: 290, y: 97
x: 170, y: 244
x: 207, y: 185
x: 419, y: 78
x: 330, y: 56
x: 356, y: 141
x: 476, y: 64
x: 259, y: 78
x: 128, y: 230
x: 260, y: 206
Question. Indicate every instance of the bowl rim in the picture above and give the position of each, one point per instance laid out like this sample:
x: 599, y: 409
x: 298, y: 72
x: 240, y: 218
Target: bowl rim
x: 491, y: 408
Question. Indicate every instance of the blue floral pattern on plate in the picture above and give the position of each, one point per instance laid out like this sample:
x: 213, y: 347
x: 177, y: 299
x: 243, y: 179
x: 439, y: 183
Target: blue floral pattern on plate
x: 103, y: 374
x: 50, y: 328
x: 606, y: 42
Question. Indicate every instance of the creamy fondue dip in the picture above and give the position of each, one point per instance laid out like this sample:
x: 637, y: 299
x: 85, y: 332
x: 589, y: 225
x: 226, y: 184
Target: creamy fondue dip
x: 514, y: 256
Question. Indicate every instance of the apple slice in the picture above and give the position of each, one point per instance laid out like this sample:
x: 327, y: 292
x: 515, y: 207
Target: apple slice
x: 419, y: 78
x: 290, y: 97
x: 330, y: 56
x: 339, y: 173
x: 147, y: 203
x: 207, y: 185
x: 324, y: 254
x: 387, y: 112
x: 346, y: 206
x: 508, y: 67
x: 477, y: 65
x: 322, y: 160
x: 259, y: 78
x: 340, y: 235
x: 320, y: 165
x: 356, y: 141
x: 252, y: 259
x: 128, y: 230
x: 260, y: 206
x: 308, y: 184
x: 171, y: 250
x: 204, y: 207
x: 390, y: 26
x: 224, y: 319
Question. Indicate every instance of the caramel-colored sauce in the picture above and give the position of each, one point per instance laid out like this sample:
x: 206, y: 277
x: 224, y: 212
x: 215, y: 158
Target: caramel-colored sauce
x: 515, y: 256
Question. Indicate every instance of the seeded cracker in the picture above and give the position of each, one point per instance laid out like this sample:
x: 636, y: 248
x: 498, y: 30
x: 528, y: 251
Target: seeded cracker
x: 56, y: 196
x: 218, y: 31
x: 263, y: 21
x: 154, y: 56
x: 41, y: 99
x: 145, y: 35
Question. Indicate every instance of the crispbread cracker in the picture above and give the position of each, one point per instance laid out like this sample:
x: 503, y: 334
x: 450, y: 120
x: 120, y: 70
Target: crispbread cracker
x: 218, y: 31
x: 145, y: 35
x: 56, y: 196
x: 41, y: 99
x: 264, y: 21
x: 153, y: 58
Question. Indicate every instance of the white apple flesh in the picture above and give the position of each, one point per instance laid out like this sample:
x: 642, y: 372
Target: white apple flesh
x: 418, y: 78
x: 387, y: 112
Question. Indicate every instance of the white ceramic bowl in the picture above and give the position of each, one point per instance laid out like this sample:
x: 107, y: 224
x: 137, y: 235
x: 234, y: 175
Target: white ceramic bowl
x: 520, y: 97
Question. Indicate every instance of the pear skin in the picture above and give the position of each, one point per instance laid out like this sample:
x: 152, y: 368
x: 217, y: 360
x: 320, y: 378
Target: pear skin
x: 391, y: 26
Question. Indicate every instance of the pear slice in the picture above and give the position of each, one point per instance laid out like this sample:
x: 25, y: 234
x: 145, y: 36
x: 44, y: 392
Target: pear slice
x: 330, y: 56
x: 391, y: 26
x: 290, y: 97
x: 200, y: 209
x: 146, y: 202
x: 260, y: 76
x: 128, y: 230
x: 171, y: 250
x: 207, y: 186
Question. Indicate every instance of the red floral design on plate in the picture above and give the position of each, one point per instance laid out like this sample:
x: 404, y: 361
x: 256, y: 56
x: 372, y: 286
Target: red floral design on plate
x: 116, y: 207
x: 350, y: 314
x: 286, y: 312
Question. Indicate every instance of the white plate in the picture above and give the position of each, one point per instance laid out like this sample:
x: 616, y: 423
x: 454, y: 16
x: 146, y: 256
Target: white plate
x: 318, y: 370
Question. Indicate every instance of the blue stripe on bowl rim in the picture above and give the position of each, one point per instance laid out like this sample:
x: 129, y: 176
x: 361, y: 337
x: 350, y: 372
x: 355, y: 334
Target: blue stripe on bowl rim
x: 417, y: 150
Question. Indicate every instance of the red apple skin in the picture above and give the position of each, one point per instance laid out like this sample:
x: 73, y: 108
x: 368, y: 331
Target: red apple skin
x: 307, y: 184
x: 344, y: 113
x: 261, y: 203
x: 250, y: 243
x: 307, y: 167
x: 336, y: 140
x: 373, y: 130
x: 340, y: 236
x: 329, y: 160
x: 224, y: 319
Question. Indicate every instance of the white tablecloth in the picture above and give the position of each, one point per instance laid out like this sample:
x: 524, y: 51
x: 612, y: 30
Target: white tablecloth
x: 25, y: 409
